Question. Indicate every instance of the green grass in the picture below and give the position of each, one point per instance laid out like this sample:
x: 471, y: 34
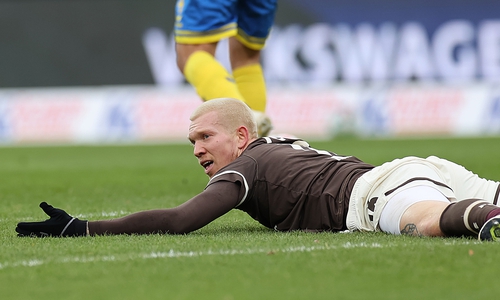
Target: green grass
x: 233, y: 257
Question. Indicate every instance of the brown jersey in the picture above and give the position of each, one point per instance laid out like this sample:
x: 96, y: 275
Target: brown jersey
x: 278, y: 182
x: 286, y: 186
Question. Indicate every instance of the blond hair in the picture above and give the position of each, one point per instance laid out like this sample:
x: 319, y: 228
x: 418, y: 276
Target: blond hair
x: 232, y: 114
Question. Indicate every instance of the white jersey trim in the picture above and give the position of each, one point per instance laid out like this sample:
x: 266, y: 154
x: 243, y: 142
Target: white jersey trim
x: 244, y: 183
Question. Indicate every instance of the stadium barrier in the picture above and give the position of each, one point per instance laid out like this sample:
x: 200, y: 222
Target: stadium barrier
x: 144, y: 114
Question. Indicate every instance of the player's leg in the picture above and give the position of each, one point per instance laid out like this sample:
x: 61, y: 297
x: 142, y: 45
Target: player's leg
x: 248, y: 74
x: 255, y: 19
x: 414, y: 211
x: 425, y: 211
x: 468, y: 218
x: 477, y: 203
x: 198, y: 28
x: 412, y: 196
x: 207, y: 75
x: 249, y: 78
x: 466, y: 184
x: 422, y: 218
x: 406, y: 214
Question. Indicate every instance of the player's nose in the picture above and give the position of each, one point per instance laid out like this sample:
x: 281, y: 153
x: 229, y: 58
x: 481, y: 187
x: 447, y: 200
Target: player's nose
x: 199, y: 150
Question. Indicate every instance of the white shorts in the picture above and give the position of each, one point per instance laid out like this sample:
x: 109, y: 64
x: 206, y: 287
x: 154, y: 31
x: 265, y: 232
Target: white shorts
x: 375, y: 188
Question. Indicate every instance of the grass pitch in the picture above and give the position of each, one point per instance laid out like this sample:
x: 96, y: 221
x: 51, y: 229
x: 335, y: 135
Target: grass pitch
x: 232, y: 258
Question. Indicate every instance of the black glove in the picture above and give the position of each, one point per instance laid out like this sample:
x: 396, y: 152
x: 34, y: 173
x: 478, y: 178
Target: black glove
x: 60, y: 224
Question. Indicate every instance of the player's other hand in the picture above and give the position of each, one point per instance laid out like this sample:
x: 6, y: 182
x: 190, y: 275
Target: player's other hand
x: 60, y: 224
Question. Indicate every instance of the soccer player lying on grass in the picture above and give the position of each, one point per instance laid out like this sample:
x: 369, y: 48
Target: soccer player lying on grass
x: 286, y: 185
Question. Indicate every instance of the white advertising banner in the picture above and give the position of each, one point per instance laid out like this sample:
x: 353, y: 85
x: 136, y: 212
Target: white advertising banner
x: 154, y: 114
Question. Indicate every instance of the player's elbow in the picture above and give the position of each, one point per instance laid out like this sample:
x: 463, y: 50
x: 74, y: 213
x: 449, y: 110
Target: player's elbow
x: 179, y: 223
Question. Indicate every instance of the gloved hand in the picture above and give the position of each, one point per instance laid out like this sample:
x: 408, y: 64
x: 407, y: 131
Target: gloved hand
x: 60, y: 224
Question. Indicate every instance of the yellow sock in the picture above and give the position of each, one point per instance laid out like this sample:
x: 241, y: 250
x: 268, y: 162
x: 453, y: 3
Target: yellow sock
x: 210, y: 79
x: 251, y: 84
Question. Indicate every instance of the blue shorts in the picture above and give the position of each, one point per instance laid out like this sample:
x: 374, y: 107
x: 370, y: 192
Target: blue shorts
x: 208, y: 21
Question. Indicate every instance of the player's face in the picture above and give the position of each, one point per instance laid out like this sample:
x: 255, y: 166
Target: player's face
x: 214, y: 146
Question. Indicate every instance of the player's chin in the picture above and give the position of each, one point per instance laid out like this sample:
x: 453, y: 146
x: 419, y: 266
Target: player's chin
x: 210, y: 170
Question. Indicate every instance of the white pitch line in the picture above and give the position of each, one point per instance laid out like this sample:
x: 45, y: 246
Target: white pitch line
x: 175, y: 254
x: 221, y: 252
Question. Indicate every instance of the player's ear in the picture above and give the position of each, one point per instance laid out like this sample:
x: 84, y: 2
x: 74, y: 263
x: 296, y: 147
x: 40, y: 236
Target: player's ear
x: 243, y: 136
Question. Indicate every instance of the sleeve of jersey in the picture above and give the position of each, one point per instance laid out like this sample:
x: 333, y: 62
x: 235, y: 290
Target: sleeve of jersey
x: 241, y: 171
x: 200, y: 210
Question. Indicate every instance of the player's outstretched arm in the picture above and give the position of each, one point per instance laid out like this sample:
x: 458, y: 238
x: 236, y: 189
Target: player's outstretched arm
x: 213, y: 202
x: 60, y: 224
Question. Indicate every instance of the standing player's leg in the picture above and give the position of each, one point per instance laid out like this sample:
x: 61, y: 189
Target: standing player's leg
x: 199, y: 26
x: 207, y: 75
x: 248, y: 74
x: 255, y: 19
x: 249, y: 78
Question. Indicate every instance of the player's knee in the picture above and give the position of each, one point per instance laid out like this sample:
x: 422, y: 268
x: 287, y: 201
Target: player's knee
x: 185, y: 51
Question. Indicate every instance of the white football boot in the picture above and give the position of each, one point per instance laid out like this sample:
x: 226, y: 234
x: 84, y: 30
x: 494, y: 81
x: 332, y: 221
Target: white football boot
x: 264, y: 124
x: 490, y: 230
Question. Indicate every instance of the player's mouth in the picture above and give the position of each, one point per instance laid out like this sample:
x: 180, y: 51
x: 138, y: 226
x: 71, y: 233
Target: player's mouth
x: 207, y: 164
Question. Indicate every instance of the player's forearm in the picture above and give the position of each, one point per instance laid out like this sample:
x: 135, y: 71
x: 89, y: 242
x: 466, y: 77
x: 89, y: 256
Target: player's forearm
x: 145, y: 222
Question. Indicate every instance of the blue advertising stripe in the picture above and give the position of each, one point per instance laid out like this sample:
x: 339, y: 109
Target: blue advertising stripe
x: 430, y: 13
